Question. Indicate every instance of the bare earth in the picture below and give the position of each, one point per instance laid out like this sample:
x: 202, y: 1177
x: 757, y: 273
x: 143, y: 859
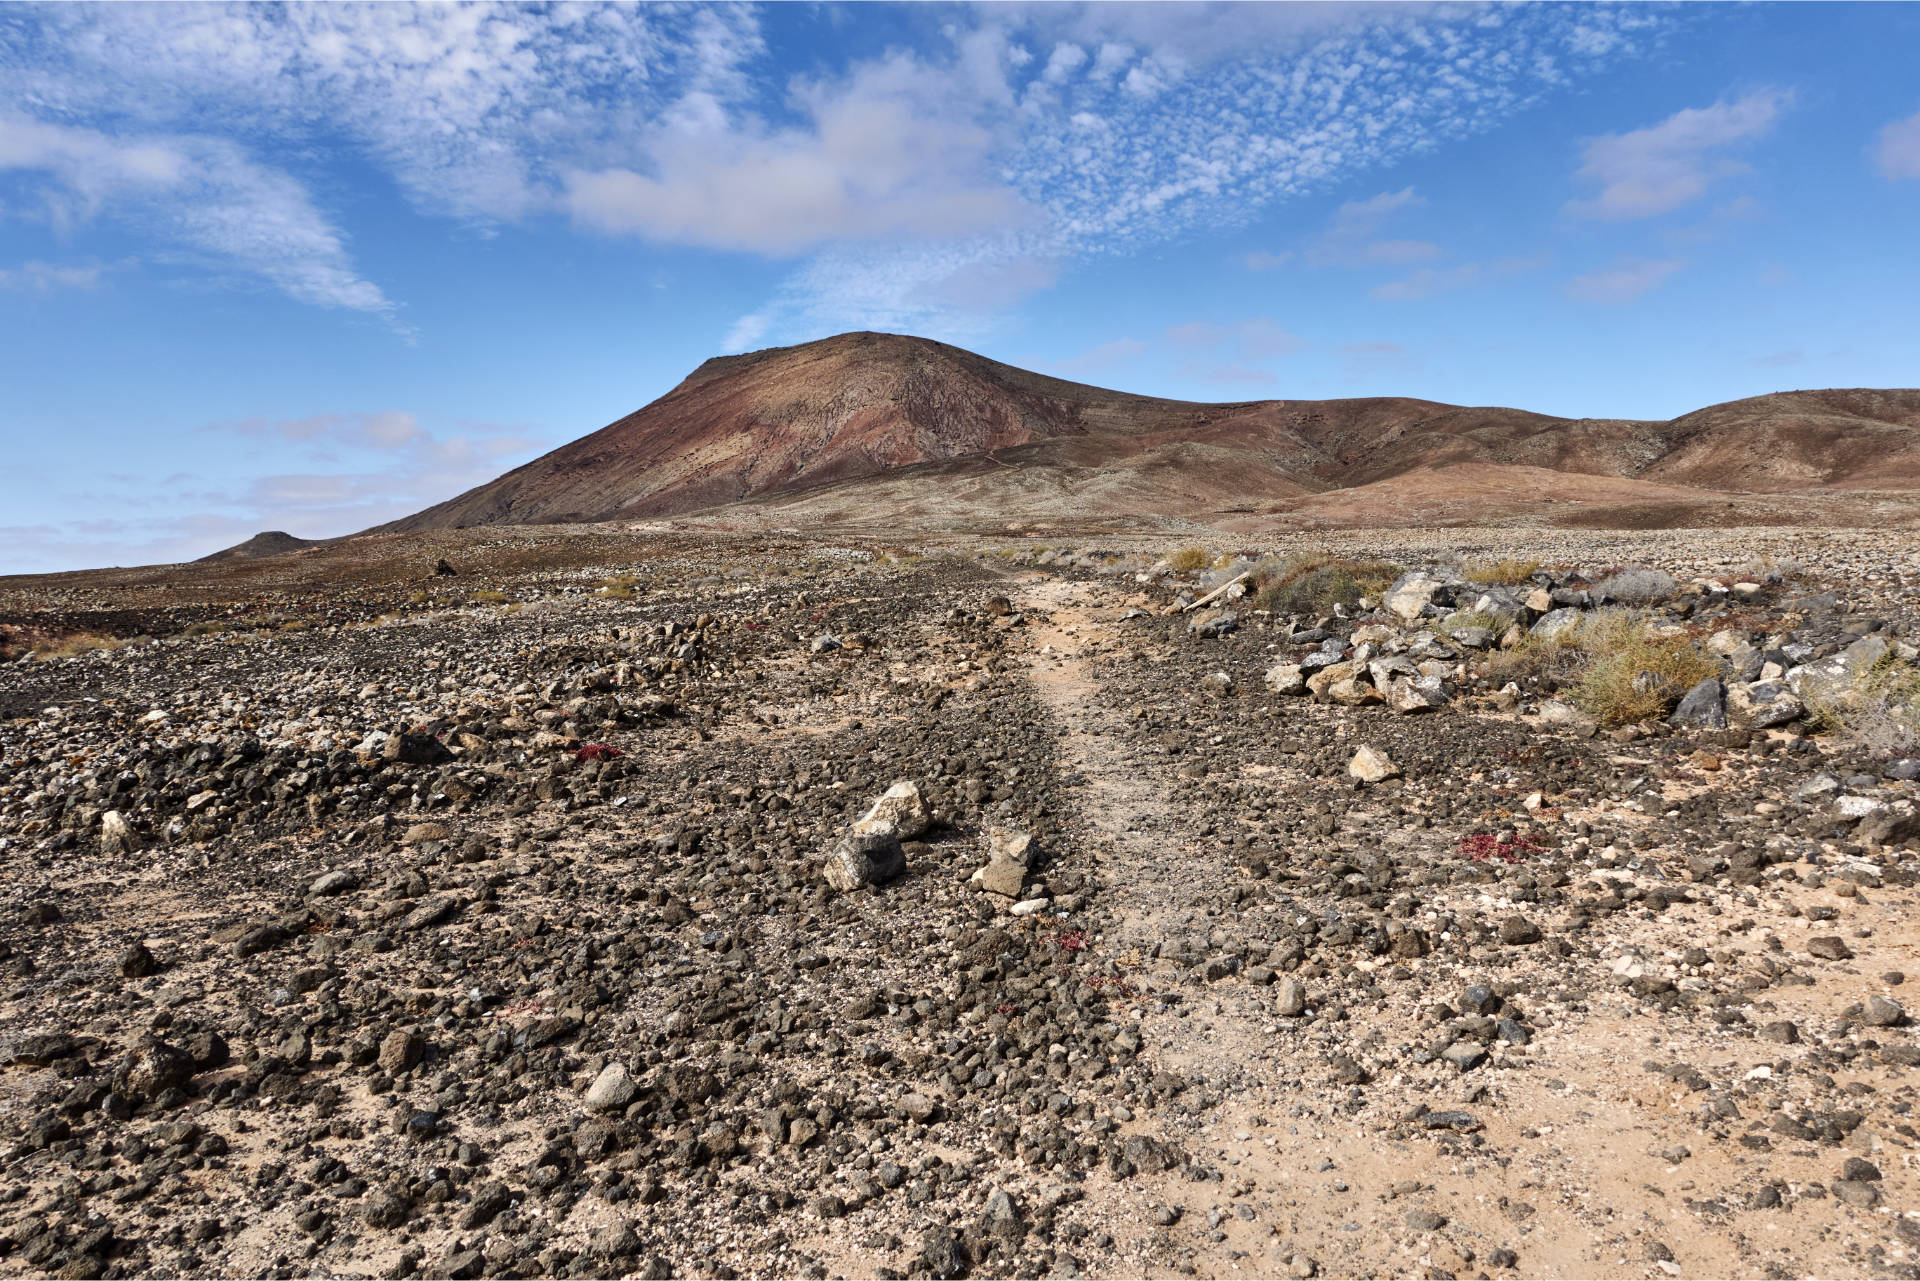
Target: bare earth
x: 385, y: 989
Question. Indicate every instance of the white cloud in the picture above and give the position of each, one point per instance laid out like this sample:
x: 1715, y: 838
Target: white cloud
x: 1262, y: 260
x: 1065, y: 59
x: 1260, y: 338
x: 1198, y: 333
x: 45, y: 277
x: 1623, y: 282
x: 746, y: 332
x: 990, y: 285
x: 1353, y: 234
x: 463, y: 104
x: 1426, y: 282
x: 1662, y: 167
x: 1016, y: 134
x: 1263, y: 337
x: 386, y: 430
x: 1429, y: 281
x: 202, y: 194
x: 89, y: 167
x: 876, y: 160
x: 1897, y: 152
x: 402, y: 476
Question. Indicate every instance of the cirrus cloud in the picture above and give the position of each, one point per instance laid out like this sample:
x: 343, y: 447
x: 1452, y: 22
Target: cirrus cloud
x: 1662, y: 167
x: 1623, y: 282
x: 1897, y: 151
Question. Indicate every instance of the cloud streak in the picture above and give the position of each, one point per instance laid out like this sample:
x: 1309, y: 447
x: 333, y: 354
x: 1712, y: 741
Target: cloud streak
x: 1674, y: 163
x: 1623, y: 282
x: 1896, y: 152
x: 394, y: 467
x: 46, y: 277
x: 202, y: 194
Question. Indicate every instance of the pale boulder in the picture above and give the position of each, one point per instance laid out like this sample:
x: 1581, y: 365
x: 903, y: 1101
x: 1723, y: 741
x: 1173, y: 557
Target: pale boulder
x: 1286, y: 678
x: 1372, y: 766
x: 1009, y: 855
x: 901, y: 812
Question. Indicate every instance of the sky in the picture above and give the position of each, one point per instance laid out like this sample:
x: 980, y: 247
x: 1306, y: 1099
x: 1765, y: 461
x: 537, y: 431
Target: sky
x: 315, y: 267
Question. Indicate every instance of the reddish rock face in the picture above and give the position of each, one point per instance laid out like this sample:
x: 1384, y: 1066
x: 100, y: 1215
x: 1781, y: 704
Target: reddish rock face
x: 776, y: 423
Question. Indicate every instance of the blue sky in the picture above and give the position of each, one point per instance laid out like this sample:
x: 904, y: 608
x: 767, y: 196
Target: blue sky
x: 314, y: 268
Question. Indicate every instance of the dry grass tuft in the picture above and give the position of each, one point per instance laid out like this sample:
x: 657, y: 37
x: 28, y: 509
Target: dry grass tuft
x: 1633, y: 675
x: 1881, y: 713
x: 619, y: 587
x: 1619, y: 668
x: 75, y: 644
x: 1314, y: 582
x: 1505, y: 572
x: 1189, y: 559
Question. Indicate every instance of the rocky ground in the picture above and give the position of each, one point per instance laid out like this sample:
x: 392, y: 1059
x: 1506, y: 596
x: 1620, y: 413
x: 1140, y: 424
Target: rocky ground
x: 540, y: 919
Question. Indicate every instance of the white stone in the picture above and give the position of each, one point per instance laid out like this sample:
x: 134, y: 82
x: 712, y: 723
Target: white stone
x: 1286, y: 678
x: 1371, y: 766
x: 901, y: 812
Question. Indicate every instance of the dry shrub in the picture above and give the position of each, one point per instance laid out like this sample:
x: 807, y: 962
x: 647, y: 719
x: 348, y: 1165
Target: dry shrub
x: 1505, y: 572
x: 491, y: 597
x: 1631, y: 674
x: 620, y: 587
x: 1881, y: 713
x: 1189, y: 559
x: 1558, y: 657
x: 1620, y: 669
x: 74, y: 644
x: 1314, y: 582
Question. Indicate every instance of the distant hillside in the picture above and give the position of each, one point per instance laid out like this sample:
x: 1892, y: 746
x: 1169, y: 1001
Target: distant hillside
x: 776, y: 425
x: 270, y: 543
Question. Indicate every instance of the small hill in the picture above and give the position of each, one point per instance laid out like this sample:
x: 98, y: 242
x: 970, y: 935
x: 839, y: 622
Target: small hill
x: 272, y: 542
x: 929, y: 429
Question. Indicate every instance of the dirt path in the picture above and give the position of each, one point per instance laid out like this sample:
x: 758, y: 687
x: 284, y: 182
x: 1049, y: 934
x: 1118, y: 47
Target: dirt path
x: 1578, y: 1166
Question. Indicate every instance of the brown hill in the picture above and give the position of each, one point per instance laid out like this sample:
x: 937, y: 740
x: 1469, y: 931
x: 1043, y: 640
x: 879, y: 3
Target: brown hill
x: 272, y: 542
x: 922, y: 425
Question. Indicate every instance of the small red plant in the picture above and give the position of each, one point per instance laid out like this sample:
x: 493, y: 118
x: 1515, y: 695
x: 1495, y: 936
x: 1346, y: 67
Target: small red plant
x: 1110, y: 983
x: 1003, y: 1009
x: 598, y: 752
x: 1072, y: 940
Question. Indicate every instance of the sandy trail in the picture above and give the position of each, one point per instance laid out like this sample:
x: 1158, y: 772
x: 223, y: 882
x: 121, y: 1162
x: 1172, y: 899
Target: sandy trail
x: 1570, y: 1172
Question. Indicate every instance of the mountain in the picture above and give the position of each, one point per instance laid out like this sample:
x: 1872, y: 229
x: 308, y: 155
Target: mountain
x: 271, y: 542
x: 897, y: 423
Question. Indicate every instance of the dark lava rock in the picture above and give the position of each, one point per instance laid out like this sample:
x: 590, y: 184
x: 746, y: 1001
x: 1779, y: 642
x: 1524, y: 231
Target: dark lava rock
x: 137, y: 962
x: 1518, y: 931
x: 1703, y: 707
x: 153, y: 1069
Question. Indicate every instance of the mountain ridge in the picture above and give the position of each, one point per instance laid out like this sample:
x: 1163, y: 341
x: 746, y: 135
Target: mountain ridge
x: 767, y: 426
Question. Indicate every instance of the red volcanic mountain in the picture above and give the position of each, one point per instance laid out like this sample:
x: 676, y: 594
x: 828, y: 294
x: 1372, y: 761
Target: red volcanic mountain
x: 917, y: 427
